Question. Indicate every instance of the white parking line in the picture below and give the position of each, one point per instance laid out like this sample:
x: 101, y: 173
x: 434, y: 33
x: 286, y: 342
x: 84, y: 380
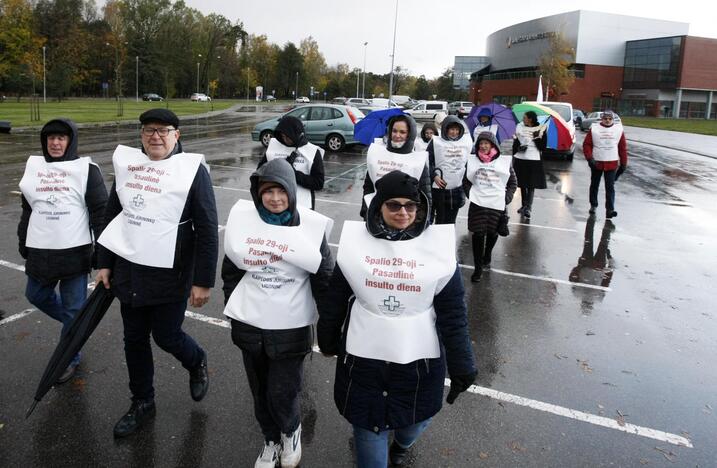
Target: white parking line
x: 478, y: 390
x: 345, y: 172
x: 579, y: 415
x: 14, y: 266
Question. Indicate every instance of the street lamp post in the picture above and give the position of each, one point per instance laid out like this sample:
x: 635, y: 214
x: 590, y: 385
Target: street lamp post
x: 44, y: 86
x: 393, y: 54
x: 200, y: 56
x: 296, y: 88
x: 136, y: 78
x: 363, y: 85
x: 358, y: 75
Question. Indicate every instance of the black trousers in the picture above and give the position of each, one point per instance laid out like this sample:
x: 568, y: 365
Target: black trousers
x: 609, y: 177
x: 483, y: 248
x: 164, y: 323
x: 275, y: 386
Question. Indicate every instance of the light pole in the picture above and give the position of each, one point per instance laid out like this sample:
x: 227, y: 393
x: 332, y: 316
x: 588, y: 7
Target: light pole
x: 136, y: 78
x: 44, y: 87
x: 358, y: 75
x: 200, y: 56
x: 393, y: 55
x: 296, y: 88
x: 363, y: 86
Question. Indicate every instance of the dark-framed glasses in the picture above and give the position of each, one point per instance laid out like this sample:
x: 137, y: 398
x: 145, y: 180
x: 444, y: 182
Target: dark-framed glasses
x: 395, y: 207
x: 161, y: 131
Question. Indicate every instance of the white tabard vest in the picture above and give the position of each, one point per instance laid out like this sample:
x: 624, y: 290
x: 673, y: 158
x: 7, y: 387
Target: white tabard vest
x: 420, y: 145
x: 392, y: 318
x: 153, y: 195
x: 488, y: 181
x: 56, y: 194
x: 381, y: 161
x: 302, y: 163
x: 605, y: 140
x: 275, y: 292
x: 492, y: 128
x: 451, y: 157
x: 525, y: 136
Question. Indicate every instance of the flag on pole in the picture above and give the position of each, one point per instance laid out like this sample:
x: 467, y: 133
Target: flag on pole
x: 540, y: 89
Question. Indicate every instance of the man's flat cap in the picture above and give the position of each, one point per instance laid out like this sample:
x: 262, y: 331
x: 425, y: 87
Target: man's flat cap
x: 159, y: 115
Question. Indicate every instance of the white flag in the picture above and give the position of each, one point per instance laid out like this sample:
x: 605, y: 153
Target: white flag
x: 540, y: 89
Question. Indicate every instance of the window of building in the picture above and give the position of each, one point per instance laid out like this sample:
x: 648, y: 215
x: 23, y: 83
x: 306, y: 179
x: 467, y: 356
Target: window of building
x: 652, y: 63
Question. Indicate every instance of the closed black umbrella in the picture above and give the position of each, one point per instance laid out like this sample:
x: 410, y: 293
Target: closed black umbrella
x: 70, y: 344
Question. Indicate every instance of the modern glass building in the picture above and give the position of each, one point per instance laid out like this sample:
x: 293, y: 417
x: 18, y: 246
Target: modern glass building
x: 464, y: 67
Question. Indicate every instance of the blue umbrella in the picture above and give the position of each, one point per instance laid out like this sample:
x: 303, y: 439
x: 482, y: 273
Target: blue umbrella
x: 500, y: 115
x: 374, y: 125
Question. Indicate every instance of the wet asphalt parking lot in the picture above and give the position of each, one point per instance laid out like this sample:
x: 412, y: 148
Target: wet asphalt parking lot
x: 595, y: 339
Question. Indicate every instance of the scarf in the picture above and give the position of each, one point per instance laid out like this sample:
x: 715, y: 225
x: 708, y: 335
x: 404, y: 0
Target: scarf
x: 277, y: 219
x: 487, y: 157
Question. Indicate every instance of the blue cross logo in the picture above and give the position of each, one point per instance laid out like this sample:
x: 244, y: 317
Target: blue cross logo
x: 138, y: 201
x: 391, y: 303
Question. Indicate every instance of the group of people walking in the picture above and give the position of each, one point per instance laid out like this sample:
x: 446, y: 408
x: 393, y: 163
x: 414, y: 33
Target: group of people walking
x: 391, y: 308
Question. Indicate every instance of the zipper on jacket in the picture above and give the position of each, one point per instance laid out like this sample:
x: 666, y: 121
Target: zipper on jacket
x: 348, y: 388
x: 415, y: 395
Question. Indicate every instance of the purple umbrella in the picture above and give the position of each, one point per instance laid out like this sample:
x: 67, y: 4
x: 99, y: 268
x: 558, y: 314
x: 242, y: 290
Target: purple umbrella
x: 500, y: 115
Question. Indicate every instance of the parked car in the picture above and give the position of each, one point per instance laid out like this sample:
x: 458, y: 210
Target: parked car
x: 339, y: 100
x: 593, y: 117
x: 152, y: 97
x: 578, y: 117
x: 382, y: 103
x: 428, y: 109
x: 200, y: 97
x: 565, y: 110
x: 329, y: 125
x: 401, y: 100
x: 460, y: 108
x: 303, y: 99
x: 270, y: 98
x: 357, y: 102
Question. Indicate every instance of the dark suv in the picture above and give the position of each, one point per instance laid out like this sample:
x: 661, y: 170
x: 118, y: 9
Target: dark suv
x: 152, y: 97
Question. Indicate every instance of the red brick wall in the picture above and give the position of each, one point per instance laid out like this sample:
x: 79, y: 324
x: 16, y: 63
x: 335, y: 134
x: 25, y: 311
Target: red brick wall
x: 699, y: 63
x: 598, y: 79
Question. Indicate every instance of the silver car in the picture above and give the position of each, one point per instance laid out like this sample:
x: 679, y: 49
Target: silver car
x: 593, y: 117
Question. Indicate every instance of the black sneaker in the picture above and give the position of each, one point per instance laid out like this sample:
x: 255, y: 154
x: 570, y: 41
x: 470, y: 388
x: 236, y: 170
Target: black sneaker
x: 397, y: 454
x: 592, y: 209
x: 68, y: 374
x: 475, y: 277
x: 139, y: 413
x: 199, y: 379
x: 526, y: 212
x: 611, y: 214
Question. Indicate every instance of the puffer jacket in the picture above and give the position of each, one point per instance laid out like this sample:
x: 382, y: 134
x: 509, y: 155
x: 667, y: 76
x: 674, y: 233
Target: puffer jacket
x: 294, y: 129
x: 424, y: 182
x: 50, y: 265
x: 195, y: 253
x: 286, y: 343
x: 378, y: 395
x: 444, y: 199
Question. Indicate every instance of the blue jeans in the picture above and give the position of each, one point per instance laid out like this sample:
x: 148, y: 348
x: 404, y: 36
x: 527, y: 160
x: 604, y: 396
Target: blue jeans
x: 372, y: 448
x: 62, y: 307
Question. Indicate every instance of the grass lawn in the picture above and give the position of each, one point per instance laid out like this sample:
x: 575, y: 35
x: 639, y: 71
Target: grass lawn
x: 701, y: 126
x: 99, y: 110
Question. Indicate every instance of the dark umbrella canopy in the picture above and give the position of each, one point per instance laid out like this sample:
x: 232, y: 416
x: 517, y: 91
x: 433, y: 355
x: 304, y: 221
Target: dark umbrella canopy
x: 374, y: 125
x: 70, y: 344
x: 500, y: 115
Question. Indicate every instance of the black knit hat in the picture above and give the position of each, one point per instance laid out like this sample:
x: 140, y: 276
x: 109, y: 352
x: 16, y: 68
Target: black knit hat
x: 56, y: 127
x: 397, y: 184
x: 159, y: 115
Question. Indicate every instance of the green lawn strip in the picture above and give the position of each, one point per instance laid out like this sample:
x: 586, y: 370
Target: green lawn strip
x: 700, y: 126
x: 100, y: 110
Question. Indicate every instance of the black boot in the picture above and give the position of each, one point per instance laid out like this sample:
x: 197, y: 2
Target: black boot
x: 487, y: 253
x: 397, y: 454
x: 478, y: 249
x: 139, y: 413
x: 528, y: 203
x: 199, y: 379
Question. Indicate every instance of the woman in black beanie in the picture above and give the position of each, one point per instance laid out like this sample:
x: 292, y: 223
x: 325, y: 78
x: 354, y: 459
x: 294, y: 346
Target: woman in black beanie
x: 406, y: 325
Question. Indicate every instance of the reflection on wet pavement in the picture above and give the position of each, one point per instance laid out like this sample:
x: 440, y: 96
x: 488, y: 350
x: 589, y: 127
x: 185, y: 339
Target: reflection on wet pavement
x: 595, y: 266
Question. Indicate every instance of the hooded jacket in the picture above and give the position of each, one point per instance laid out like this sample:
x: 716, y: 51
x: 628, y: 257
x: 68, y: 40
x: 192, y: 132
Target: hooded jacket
x: 372, y: 393
x: 445, y: 200
x: 195, y: 252
x: 450, y: 120
x: 425, y: 180
x: 294, y: 129
x: 276, y: 343
x: 47, y: 265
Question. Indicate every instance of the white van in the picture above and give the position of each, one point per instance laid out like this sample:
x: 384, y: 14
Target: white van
x: 565, y: 110
x: 428, y: 109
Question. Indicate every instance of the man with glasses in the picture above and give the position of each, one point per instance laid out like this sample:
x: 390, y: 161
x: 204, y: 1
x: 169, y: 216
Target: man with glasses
x: 605, y: 150
x: 159, y: 249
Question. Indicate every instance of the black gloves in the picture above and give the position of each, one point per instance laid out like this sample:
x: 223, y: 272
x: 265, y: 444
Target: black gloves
x: 591, y: 163
x: 459, y: 384
x: 620, y: 170
x: 23, y: 251
x: 292, y: 157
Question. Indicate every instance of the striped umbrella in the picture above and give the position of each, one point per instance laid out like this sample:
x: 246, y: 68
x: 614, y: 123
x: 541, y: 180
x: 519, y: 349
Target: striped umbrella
x: 557, y: 130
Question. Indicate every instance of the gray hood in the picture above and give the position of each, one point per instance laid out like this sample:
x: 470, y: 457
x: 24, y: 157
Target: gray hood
x: 69, y: 127
x: 408, y: 146
x: 487, y: 136
x: 452, y: 119
x: 278, y: 171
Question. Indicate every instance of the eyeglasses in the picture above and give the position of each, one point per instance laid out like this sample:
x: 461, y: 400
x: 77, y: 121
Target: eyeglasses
x: 395, y: 207
x: 161, y: 131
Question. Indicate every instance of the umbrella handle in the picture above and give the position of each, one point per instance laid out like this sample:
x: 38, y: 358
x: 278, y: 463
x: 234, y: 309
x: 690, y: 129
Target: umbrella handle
x: 31, y: 408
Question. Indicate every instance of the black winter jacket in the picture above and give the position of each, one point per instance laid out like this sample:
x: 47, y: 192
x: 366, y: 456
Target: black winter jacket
x: 277, y: 344
x: 378, y: 395
x: 50, y: 265
x: 195, y: 255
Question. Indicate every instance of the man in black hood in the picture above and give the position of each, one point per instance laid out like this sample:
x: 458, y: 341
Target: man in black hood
x: 63, y: 202
x: 306, y: 158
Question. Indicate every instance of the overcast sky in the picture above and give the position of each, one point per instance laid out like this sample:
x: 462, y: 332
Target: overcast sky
x: 429, y: 33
